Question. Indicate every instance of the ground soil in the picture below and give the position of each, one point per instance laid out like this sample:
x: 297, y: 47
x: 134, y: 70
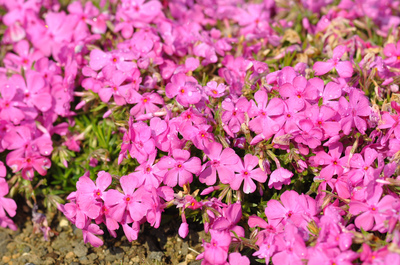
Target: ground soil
x: 154, y: 246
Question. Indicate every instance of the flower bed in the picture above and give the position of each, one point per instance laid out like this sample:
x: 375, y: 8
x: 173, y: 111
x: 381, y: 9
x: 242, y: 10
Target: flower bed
x: 273, y: 124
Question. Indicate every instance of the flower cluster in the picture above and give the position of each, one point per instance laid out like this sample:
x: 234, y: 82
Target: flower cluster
x: 283, y: 117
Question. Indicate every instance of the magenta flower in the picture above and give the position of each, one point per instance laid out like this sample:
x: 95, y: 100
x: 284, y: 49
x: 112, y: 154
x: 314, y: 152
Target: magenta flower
x: 149, y: 174
x: 293, y: 247
x: 344, y: 68
x: 114, y: 88
x: 237, y: 259
x: 28, y: 163
x: 292, y: 207
x: 221, y: 161
x: 363, y: 167
x: 133, y: 201
x: 298, y: 92
x: 25, y: 58
x: 322, y: 118
x: 334, y: 164
x: 78, y: 212
x: 216, y: 252
x: 308, y: 134
x: 142, y: 144
x: 89, y: 231
x: 353, y: 111
x: 9, y: 106
x: 321, y: 255
x: 372, y: 213
x: 279, y: 177
x: 200, y: 135
x: 184, y: 88
x: 247, y: 173
x: 264, y: 114
x: 392, y: 51
x: 181, y: 167
x: 391, y: 122
x: 88, y: 190
x: 215, y: 90
x: 3, y: 170
x: 146, y: 103
x: 6, y: 204
x: 233, y: 114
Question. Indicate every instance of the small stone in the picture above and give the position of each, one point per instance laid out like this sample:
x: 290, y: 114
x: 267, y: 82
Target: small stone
x: 80, y: 250
x: 92, y: 256
x: 70, y: 255
x: 64, y: 223
x: 111, y: 258
x: 26, y: 249
x: 6, y: 259
x: 15, y: 256
x: 49, y: 261
x: 190, y: 257
x: 156, y: 255
x: 11, y: 247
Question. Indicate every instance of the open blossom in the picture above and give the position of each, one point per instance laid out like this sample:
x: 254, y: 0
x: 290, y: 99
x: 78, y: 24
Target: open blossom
x: 214, y: 89
x: 373, y: 212
x: 6, y: 204
x: 184, y: 88
x: 344, y: 68
x: 134, y: 201
x: 233, y: 115
x: 354, y: 111
x: 181, y: 167
x: 221, y: 161
x: 247, y: 173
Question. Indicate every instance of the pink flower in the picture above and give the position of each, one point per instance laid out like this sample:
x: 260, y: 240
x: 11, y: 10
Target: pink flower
x: 322, y: 118
x: 3, y: 170
x: 184, y: 88
x: 114, y: 87
x: 392, y: 51
x: 9, y: 106
x: 298, y: 92
x: 264, y: 114
x: 279, y: 177
x: 292, y: 245
x: 353, y: 111
x: 133, y: 201
x: 233, y: 115
x: 146, y: 103
x: 6, y: 204
x: 25, y: 58
x: 216, y: 252
x: 344, y: 68
x: 334, y: 164
x: 215, y: 90
x: 200, y: 135
x: 308, y: 134
x: 88, y: 190
x: 221, y: 161
x: 237, y: 259
x: 89, y: 231
x: 247, y: 173
x: 181, y: 168
x: 149, y: 174
x: 292, y: 208
x: 372, y: 213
